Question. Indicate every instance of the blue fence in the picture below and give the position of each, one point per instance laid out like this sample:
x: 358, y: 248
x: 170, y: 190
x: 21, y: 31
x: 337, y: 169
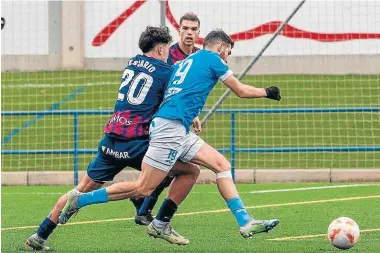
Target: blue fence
x: 232, y: 149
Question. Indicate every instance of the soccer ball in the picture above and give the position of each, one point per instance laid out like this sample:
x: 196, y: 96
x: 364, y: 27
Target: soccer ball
x: 343, y: 233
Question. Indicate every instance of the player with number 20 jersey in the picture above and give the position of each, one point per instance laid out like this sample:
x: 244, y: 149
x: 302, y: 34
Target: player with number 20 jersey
x: 171, y: 140
x: 140, y: 94
x: 141, y: 91
x: 126, y: 137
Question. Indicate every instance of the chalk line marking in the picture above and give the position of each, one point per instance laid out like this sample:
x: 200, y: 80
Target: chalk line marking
x: 313, y: 188
x: 301, y: 237
x: 213, y: 211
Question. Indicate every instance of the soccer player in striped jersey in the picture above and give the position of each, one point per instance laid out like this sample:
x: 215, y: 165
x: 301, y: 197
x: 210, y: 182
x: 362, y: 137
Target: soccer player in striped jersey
x: 186, y: 93
x: 189, y: 33
x: 189, y: 25
x: 126, y: 137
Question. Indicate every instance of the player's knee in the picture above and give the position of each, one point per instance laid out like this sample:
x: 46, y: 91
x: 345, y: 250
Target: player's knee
x: 222, y: 165
x: 63, y: 198
x: 195, y: 170
x: 61, y: 202
x: 223, y: 169
x: 87, y: 184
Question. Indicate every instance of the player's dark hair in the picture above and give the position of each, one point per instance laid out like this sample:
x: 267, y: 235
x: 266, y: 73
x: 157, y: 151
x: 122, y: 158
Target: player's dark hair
x: 191, y: 17
x: 153, y: 36
x: 216, y: 36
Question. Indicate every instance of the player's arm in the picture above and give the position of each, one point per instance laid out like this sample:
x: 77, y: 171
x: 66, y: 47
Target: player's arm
x: 224, y: 74
x: 246, y: 91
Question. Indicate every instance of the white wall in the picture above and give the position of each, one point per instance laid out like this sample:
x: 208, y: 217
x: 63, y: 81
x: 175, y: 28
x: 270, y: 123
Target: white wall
x: 48, y: 35
x: 26, y: 29
x: 316, y: 19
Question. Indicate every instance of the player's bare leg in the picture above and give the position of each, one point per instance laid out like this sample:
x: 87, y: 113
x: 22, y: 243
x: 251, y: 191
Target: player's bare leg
x: 147, y: 181
x: 144, y: 206
x: 144, y: 210
x: 212, y: 159
x: 186, y: 175
x: 37, y: 241
x: 85, y: 185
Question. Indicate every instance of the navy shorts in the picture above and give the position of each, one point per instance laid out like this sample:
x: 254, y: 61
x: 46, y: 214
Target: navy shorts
x: 114, y: 155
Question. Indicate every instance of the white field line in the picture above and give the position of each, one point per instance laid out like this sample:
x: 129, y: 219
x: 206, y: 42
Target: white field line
x: 55, y: 85
x: 302, y: 189
x: 215, y: 211
x: 301, y: 237
x: 314, y: 188
x: 251, y: 192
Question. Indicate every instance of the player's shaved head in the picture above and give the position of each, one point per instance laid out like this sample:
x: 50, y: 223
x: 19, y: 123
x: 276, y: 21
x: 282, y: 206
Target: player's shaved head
x: 153, y: 36
x: 217, y: 36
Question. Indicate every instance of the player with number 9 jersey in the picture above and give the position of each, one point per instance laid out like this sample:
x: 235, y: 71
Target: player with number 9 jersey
x: 171, y: 142
x: 187, y: 91
x: 189, y: 86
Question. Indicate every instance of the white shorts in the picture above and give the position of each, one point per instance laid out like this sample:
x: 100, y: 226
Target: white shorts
x: 170, y: 142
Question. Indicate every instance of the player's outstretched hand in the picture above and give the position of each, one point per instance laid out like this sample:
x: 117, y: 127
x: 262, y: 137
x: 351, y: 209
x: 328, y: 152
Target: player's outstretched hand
x: 273, y: 92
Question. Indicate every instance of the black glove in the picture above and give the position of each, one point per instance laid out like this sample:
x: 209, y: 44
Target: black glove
x: 273, y: 92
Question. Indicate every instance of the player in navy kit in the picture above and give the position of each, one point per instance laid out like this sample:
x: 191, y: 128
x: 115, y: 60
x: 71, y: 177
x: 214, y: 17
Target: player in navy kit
x: 126, y: 136
x: 186, y: 93
x: 189, y: 25
x: 188, y: 32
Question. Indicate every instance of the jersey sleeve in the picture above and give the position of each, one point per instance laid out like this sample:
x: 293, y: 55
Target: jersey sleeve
x: 219, y: 68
